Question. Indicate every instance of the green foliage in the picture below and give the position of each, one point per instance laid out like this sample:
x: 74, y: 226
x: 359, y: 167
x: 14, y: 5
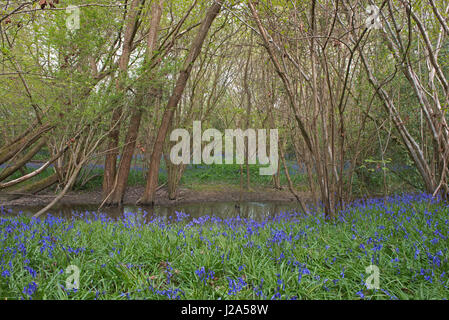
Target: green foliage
x: 302, y: 257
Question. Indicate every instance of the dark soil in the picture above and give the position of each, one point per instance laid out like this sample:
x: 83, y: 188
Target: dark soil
x: 185, y: 196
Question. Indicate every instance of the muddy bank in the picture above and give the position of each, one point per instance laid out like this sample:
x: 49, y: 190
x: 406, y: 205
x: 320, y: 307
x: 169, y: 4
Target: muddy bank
x: 185, y: 196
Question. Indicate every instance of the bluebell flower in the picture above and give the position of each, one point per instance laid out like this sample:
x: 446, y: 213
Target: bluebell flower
x: 236, y: 286
x: 31, y: 271
x: 30, y: 289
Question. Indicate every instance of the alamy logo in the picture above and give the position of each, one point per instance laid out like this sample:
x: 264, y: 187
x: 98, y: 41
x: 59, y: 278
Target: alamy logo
x: 72, y: 281
x: 73, y: 20
x: 373, y: 19
x: 213, y: 151
x: 373, y: 281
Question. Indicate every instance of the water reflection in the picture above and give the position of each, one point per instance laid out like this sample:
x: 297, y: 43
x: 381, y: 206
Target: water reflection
x: 250, y: 210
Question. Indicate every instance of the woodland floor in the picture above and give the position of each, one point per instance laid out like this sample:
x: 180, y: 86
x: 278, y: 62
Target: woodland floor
x: 185, y: 195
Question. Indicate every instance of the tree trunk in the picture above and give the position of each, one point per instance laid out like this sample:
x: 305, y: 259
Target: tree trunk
x: 33, y: 188
x: 67, y: 187
x: 26, y: 177
x: 289, y: 180
x: 153, y: 174
x: 126, y: 158
x: 174, y: 175
x: 110, y: 167
x: 9, y: 152
x: 248, y: 114
x: 121, y: 177
x: 18, y: 138
x: 23, y: 161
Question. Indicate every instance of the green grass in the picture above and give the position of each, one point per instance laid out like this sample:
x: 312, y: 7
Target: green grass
x: 405, y: 237
x: 195, y: 177
x: 230, y: 174
x: 366, y: 181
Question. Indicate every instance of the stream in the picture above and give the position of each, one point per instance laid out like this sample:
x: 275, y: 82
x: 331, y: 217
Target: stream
x: 249, y: 210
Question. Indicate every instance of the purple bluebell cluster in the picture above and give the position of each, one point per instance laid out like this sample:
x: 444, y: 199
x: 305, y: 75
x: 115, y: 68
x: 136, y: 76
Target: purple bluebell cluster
x: 30, y: 289
x: 236, y: 285
x: 288, y: 256
x: 204, y: 275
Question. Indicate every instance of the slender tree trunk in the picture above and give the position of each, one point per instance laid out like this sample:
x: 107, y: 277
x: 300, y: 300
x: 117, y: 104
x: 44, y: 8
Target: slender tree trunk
x: 26, y: 177
x: 8, y: 153
x: 67, y: 187
x: 126, y: 158
x: 121, y: 178
x: 289, y: 180
x: 153, y: 173
x: 24, y: 134
x: 110, y: 167
x: 23, y: 161
x: 32, y: 188
x: 248, y: 113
